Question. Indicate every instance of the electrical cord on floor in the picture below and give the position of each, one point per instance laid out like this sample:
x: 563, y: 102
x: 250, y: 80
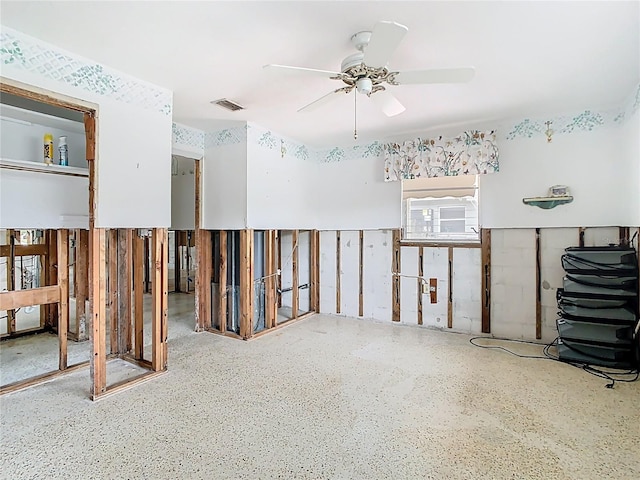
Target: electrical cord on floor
x: 498, y: 347
x: 612, y: 377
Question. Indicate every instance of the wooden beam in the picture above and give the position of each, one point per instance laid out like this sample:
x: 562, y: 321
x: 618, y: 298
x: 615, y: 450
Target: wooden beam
x: 433, y: 290
x: 314, y: 270
x: 270, y: 314
x: 624, y: 236
x: 395, y: 280
x: 146, y: 270
x: 295, y: 293
x: 361, y: 276
x: 205, y: 271
x: 14, y: 387
x: 138, y: 296
x: 33, y: 296
x: 538, y: 289
x: 112, y: 261
x: 159, y: 299
x: 279, y: 268
x: 11, y: 279
x: 81, y: 276
x: 63, y: 307
x: 450, y: 289
x: 198, y: 257
x: 22, y: 250
x: 430, y: 244
x: 581, y: 236
x: 338, y: 274
x: 51, y: 275
x: 124, y: 281
x: 98, y: 301
x: 420, y: 282
x: 176, y: 261
x: 485, y: 235
x: 246, y: 283
x: 222, y: 283
x: 41, y: 97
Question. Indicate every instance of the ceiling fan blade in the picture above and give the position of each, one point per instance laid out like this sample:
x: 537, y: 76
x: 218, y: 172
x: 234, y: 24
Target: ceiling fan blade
x: 385, y: 38
x: 322, y: 100
x: 388, y: 103
x: 440, y: 75
x: 311, y: 71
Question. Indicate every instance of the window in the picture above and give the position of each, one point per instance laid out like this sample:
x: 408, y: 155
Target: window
x: 440, y: 209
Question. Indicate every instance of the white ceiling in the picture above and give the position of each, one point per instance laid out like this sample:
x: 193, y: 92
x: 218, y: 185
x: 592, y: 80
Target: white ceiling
x: 531, y: 58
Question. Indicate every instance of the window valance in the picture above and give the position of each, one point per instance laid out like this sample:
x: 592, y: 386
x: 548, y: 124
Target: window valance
x: 470, y: 153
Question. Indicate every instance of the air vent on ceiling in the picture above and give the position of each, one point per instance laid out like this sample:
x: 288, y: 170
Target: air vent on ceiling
x: 228, y: 104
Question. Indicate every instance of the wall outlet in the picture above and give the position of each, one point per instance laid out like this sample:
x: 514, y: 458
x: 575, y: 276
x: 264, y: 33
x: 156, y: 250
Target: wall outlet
x: 425, y: 287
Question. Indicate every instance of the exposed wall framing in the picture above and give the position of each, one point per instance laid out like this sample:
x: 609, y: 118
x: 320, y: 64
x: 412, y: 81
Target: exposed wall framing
x: 90, y: 256
x: 485, y: 242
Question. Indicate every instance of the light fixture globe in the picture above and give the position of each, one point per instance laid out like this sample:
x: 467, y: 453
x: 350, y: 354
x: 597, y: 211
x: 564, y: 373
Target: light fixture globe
x: 364, y: 85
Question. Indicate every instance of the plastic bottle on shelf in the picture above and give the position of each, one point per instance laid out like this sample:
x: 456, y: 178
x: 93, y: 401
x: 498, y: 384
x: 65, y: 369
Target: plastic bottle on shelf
x: 48, y: 149
x: 63, y: 151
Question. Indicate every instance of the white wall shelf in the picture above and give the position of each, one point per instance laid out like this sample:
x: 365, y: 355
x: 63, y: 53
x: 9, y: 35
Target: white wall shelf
x: 29, y: 117
x: 9, y: 164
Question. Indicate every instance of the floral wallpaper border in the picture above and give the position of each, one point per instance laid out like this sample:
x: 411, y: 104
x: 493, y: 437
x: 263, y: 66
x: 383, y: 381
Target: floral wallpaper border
x: 181, y: 135
x: 585, y: 121
x: 23, y: 52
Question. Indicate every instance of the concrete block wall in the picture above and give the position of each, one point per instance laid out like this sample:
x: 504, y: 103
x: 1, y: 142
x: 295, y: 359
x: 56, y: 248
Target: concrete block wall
x: 513, y: 279
x: 513, y: 283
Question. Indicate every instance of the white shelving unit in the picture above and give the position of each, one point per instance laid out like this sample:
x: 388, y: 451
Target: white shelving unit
x: 26, y: 166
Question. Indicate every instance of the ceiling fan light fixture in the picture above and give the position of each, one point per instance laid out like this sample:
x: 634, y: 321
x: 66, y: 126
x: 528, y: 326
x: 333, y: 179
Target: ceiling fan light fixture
x: 364, y: 85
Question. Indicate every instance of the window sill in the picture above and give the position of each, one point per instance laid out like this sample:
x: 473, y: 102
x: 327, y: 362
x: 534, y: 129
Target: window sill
x: 441, y: 243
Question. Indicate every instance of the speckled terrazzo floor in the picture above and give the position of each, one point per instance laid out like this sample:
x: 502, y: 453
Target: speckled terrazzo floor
x: 331, y: 398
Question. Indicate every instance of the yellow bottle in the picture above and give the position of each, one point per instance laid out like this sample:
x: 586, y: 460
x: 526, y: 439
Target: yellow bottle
x: 48, y: 149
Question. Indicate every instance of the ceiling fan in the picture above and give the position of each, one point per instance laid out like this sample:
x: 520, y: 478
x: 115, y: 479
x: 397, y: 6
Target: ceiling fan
x: 366, y: 71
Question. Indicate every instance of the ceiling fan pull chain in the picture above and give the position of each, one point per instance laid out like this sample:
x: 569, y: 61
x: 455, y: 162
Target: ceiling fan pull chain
x: 355, y: 114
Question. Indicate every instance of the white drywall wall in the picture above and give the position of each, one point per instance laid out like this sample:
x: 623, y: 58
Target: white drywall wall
x: 376, y: 271
x: 593, y: 164
x: 133, y: 167
x: 352, y: 194
x: 133, y: 131
x: 631, y: 143
x: 183, y: 195
x: 349, y: 272
x: 280, y: 188
x: 224, y: 187
x: 43, y: 200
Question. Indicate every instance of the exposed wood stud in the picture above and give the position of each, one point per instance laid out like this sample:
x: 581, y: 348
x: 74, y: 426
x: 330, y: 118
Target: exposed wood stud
x: 420, y: 282
x: 361, y: 276
x: 21, y: 250
x: 450, y: 289
x: 97, y: 301
x: 112, y: 261
x: 485, y: 235
x: 138, y: 296
x: 246, y: 283
x: 295, y: 293
x: 81, y: 275
x: 205, y: 271
x: 124, y: 280
x: 538, y: 288
x: 176, y: 261
x: 279, y: 259
x: 40, y: 97
x: 11, y: 279
x: 13, y: 387
x: 624, y: 236
x: 222, y: 284
x: 581, y: 237
x: 198, y: 260
x: 269, y: 284
x: 159, y: 299
x: 51, y: 273
x: 428, y: 244
x: 338, y: 273
x: 395, y: 281
x: 315, y: 270
x: 146, y: 270
x: 63, y: 307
